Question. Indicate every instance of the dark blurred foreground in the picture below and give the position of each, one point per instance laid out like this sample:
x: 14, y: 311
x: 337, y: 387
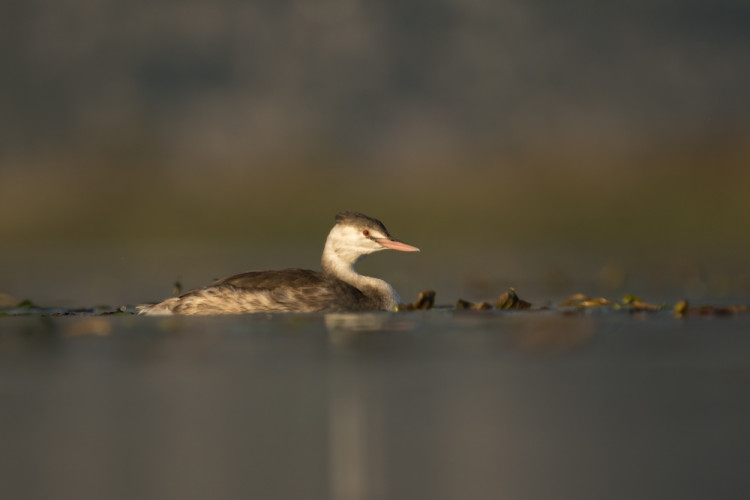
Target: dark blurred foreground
x: 438, y: 405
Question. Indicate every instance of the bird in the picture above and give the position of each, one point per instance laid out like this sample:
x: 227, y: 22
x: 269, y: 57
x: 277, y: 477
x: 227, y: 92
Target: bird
x: 338, y: 287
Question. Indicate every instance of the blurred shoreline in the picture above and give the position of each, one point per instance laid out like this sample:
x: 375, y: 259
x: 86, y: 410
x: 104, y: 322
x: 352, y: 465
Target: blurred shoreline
x: 509, y: 139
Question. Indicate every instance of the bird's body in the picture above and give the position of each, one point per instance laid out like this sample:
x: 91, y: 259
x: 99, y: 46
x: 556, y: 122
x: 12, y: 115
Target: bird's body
x: 337, y: 288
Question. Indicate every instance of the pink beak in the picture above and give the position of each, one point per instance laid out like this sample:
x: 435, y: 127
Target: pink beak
x: 396, y: 245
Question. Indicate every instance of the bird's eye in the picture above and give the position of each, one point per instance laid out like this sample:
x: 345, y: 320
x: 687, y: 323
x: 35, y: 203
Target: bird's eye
x: 366, y: 232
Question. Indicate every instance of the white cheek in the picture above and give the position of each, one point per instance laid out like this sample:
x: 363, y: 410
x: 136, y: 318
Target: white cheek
x: 376, y: 247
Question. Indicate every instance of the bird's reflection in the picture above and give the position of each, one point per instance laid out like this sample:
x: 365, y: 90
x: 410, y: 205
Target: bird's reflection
x: 356, y: 402
x: 355, y: 330
x: 356, y: 322
x: 351, y: 461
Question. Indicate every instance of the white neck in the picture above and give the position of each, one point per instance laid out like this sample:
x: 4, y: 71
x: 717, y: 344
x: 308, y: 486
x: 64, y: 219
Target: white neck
x: 340, y: 262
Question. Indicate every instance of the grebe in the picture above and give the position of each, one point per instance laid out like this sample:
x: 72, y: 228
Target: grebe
x: 338, y: 288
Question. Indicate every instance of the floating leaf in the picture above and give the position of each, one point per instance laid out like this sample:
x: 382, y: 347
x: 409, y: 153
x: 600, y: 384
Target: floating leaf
x: 721, y: 311
x: 581, y: 300
x: 635, y: 303
x: 465, y: 304
x: 629, y: 298
x: 425, y: 301
x: 510, y: 300
x: 681, y: 308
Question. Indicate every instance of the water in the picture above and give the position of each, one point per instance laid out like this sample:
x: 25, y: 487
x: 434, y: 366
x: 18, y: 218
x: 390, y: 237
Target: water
x: 436, y: 404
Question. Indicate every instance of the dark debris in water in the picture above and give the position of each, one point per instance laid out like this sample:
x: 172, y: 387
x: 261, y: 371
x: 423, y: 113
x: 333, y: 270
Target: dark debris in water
x: 575, y: 304
x: 683, y: 309
x: 465, y: 304
x: 426, y: 300
x: 583, y: 301
x: 27, y: 308
x: 580, y: 303
x: 510, y: 300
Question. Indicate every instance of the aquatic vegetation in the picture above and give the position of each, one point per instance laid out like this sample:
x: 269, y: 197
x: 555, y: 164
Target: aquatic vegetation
x: 426, y: 300
x: 578, y: 303
x: 510, y: 300
x: 465, y: 304
x: 581, y: 300
x: 683, y: 309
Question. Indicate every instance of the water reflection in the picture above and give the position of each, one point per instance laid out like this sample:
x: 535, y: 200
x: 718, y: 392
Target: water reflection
x: 354, y: 429
x: 355, y: 420
x: 419, y: 405
x: 363, y: 331
x: 457, y: 410
x: 356, y: 322
x: 93, y: 325
x: 552, y: 334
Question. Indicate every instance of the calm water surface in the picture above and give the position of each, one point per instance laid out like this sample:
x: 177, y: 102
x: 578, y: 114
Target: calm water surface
x: 438, y: 404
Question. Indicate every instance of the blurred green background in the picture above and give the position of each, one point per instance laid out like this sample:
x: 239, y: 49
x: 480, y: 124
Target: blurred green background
x: 555, y: 147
